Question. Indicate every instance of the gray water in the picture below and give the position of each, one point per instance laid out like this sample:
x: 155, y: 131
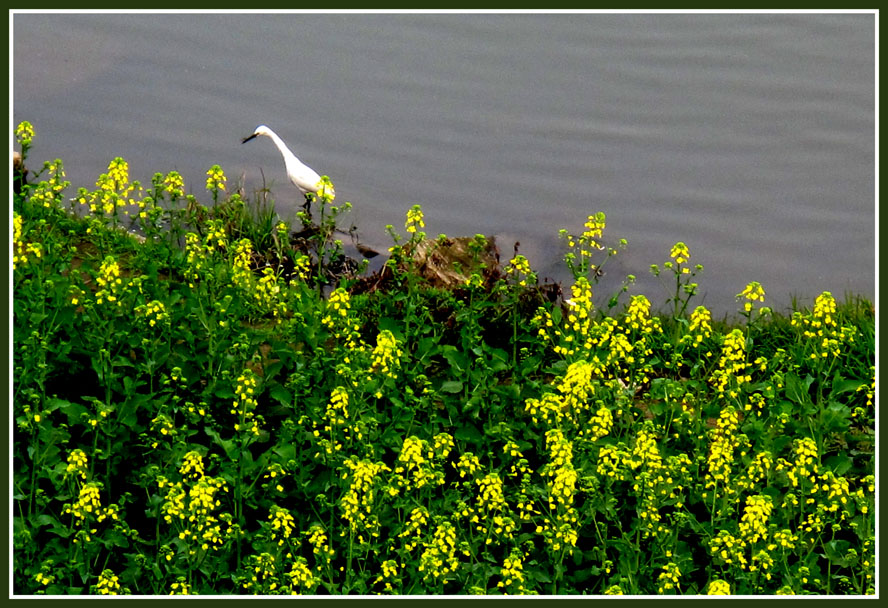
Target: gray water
x: 749, y: 137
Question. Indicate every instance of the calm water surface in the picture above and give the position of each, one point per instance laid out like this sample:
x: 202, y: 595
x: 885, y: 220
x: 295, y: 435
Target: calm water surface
x: 748, y: 137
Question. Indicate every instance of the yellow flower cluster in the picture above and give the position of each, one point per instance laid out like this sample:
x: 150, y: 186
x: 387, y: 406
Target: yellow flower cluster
x: 681, y: 254
x: 192, y: 465
x: 610, y: 459
x: 48, y: 191
x: 162, y: 425
x: 244, y: 403
x: 719, y: 587
x: 192, y: 510
x: 754, y: 521
x: 732, y: 365
x: 357, y: 503
x: 111, y: 285
x: 753, y: 292
x: 806, y: 464
x: 174, y: 184
x: 317, y: 538
x: 600, y: 424
x: 301, y: 576
x: 786, y: 539
x: 728, y: 549
x: 519, y: 268
x: 723, y: 442
x: 386, y: 355
x: 438, y: 559
x: 326, y: 191
x: 216, y: 178
x: 821, y: 329
x: 153, y: 312
x: 77, y: 464
x: 241, y: 274
x: 837, y: 490
x: 512, y: 573
x: 560, y: 471
x: 44, y: 579
x: 180, y: 587
x: 24, y: 133
x: 114, y: 189
x: 443, y: 444
x: 282, y: 524
x: 216, y: 237
x: 268, y: 294
x: 490, y: 493
x: 261, y: 568
x: 576, y: 387
x: 757, y: 470
x: 668, y: 578
x: 336, y: 413
x: 389, y: 574
x: 762, y: 561
x: 108, y: 583
x: 579, y: 322
x: 700, y: 327
x: 549, y: 408
x: 419, y: 517
x: 468, y: 464
x: 638, y: 316
x: 88, y: 503
x: 594, y: 228
x: 416, y: 467
x: 414, y: 219
x: 560, y: 532
x: 338, y: 321
x: 573, y: 402
x: 21, y: 250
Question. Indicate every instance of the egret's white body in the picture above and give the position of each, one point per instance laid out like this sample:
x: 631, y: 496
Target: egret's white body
x: 301, y: 175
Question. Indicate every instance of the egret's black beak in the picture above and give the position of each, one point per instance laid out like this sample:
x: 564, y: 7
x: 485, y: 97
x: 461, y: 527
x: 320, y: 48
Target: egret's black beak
x: 246, y: 139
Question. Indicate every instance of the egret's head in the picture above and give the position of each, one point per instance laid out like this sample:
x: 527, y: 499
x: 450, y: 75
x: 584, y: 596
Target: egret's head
x: 260, y: 130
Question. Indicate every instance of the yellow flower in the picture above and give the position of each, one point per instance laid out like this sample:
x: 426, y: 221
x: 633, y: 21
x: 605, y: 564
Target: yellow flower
x: 24, y: 133
x: 414, y: 219
x: 438, y: 559
x: 108, y: 583
x: 77, y: 464
x: 386, y: 354
x: 668, y: 578
x: 174, y: 184
x: 282, y: 524
x: 192, y: 463
x: 680, y: 253
x: 216, y: 178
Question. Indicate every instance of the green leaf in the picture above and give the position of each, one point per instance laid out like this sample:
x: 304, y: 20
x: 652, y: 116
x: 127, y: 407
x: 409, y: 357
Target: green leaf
x: 281, y: 394
x: 231, y: 450
x: 457, y: 360
x: 797, y: 390
x: 73, y: 411
x: 391, y: 325
x: 452, y: 386
x: 846, y: 385
x: 272, y: 369
x: 224, y: 392
x: 840, y: 463
x: 469, y: 434
x: 836, y: 417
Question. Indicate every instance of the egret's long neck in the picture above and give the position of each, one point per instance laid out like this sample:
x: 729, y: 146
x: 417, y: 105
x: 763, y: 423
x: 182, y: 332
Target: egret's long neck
x: 285, y: 151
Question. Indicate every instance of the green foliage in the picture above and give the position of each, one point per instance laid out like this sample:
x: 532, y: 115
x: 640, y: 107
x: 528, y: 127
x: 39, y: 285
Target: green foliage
x: 195, y: 414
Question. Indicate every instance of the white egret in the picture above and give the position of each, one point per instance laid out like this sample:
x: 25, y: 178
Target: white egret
x: 301, y: 175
